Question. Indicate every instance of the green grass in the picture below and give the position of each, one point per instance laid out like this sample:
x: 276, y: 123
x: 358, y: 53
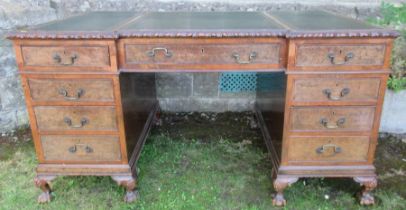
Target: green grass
x: 391, y: 14
x: 394, y: 16
x: 194, y: 161
x: 397, y: 84
x: 184, y: 174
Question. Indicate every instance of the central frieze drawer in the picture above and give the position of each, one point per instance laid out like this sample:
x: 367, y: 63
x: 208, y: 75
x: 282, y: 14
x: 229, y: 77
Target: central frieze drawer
x: 71, y: 90
x: 323, y: 149
x: 202, y: 53
x: 80, y: 148
x: 339, y: 54
x: 69, y: 55
x: 350, y: 118
x: 335, y: 89
x: 57, y: 118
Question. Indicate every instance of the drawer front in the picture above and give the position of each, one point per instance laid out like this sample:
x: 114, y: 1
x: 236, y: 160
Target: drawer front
x: 61, y: 118
x: 335, y: 89
x: 202, y: 54
x: 328, y: 149
x: 72, y: 90
x: 66, y: 55
x: 80, y: 148
x: 346, y: 55
x: 332, y: 118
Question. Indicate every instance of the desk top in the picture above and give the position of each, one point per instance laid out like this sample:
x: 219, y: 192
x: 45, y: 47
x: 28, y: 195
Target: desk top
x: 312, y: 23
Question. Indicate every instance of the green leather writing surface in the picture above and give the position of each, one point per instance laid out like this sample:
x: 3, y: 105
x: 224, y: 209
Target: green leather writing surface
x: 311, y: 23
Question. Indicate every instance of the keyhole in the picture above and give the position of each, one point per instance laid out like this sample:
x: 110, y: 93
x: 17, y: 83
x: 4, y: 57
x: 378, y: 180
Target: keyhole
x: 340, y: 52
x: 202, y: 50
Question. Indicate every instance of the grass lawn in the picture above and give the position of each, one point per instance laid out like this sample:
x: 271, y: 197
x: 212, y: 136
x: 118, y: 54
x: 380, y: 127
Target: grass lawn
x: 188, y: 163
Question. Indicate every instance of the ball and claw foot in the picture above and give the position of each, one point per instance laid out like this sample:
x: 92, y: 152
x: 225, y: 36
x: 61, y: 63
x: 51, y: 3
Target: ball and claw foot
x: 129, y: 183
x: 44, y: 197
x: 279, y: 200
x: 280, y: 183
x: 367, y: 199
x: 368, y: 184
x: 131, y: 196
x: 42, y: 182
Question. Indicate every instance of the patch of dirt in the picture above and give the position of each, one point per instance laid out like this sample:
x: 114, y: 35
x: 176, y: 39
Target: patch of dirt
x: 10, y: 141
x: 206, y: 126
x: 390, y: 163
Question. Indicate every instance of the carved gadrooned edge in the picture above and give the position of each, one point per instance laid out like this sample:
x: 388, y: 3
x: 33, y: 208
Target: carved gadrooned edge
x: 203, y: 34
x: 344, y: 33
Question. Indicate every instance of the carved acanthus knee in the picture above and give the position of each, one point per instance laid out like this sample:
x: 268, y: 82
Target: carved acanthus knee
x: 369, y: 184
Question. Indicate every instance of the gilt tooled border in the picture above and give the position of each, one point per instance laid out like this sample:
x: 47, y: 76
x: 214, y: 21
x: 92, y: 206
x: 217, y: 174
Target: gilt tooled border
x: 200, y: 33
x: 61, y: 35
x: 344, y: 33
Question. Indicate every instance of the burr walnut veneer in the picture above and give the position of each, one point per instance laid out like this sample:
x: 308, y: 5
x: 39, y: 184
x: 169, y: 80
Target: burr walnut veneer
x: 89, y: 84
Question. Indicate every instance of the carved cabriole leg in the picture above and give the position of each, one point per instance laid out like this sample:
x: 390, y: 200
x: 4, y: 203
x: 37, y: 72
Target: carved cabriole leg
x: 43, y: 182
x: 368, y: 184
x: 280, y: 183
x: 129, y: 183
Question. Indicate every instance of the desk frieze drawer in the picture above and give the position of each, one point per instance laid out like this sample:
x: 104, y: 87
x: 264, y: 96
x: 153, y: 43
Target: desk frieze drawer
x: 340, y: 54
x: 323, y: 149
x: 66, y: 118
x: 71, y: 90
x: 326, y: 119
x: 49, y: 55
x: 336, y: 89
x: 81, y: 148
x: 202, y: 53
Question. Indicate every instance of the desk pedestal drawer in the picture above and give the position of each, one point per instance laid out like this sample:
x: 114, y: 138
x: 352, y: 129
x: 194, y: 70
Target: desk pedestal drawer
x: 66, y: 55
x: 80, y: 148
x: 322, y: 149
x: 202, y: 53
x: 73, y: 90
x: 76, y: 118
x: 333, y: 89
x: 339, y: 54
x: 350, y: 118
x: 332, y: 55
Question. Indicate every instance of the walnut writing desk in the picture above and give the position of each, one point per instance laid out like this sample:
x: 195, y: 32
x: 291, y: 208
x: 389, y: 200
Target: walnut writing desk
x: 89, y: 83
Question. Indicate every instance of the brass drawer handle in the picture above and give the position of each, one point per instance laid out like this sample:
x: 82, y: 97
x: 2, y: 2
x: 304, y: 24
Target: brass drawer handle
x: 83, y: 122
x: 323, y: 148
x: 152, y: 53
x: 74, y: 148
x: 329, y: 94
x: 347, y: 58
x: 338, y: 123
x: 251, y: 57
x: 79, y: 93
x: 67, y: 61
